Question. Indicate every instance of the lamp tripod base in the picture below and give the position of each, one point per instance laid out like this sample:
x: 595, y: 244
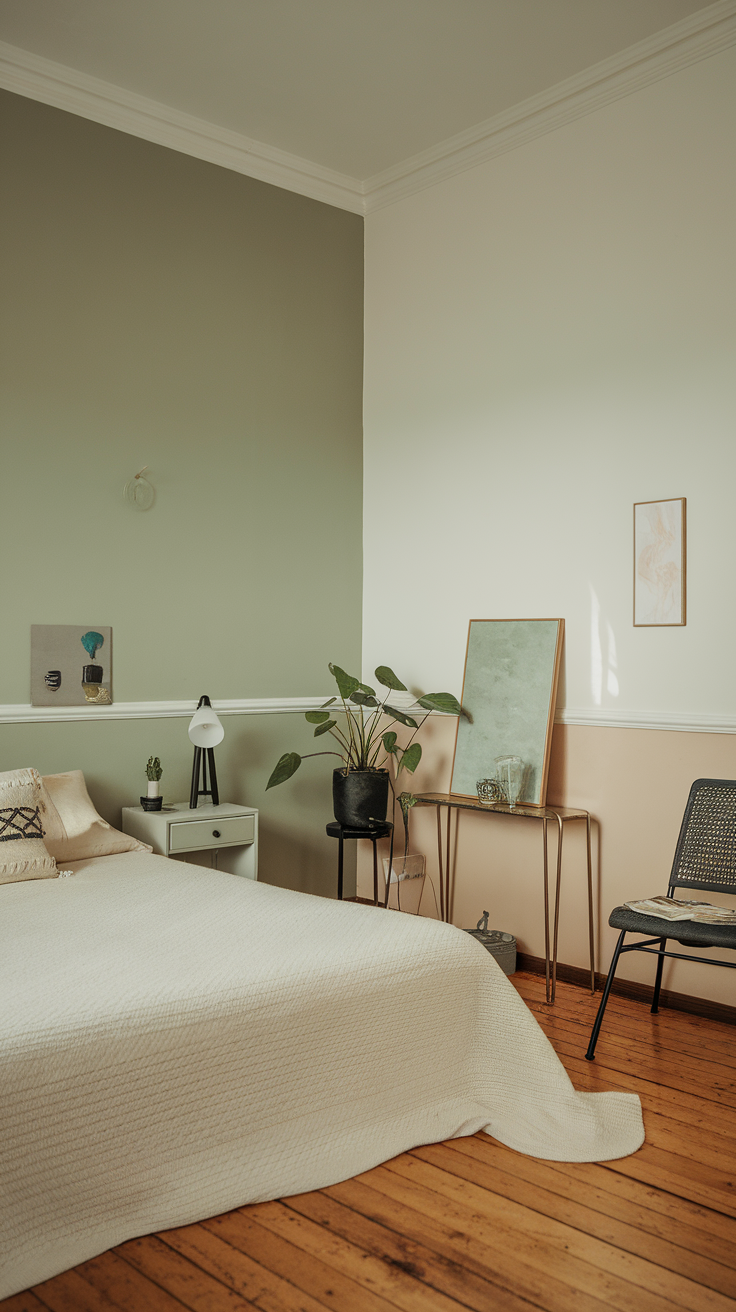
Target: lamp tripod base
x: 203, y: 757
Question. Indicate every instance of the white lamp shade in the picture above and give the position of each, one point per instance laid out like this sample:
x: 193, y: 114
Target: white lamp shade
x: 205, y: 729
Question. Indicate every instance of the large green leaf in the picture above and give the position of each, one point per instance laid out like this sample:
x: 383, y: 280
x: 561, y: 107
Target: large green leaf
x: 387, y: 677
x: 345, y: 682
x: 362, y: 699
x: 411, y: 758
x: 441, y: 701
x: 389, y: 740
x: 399, y: 715
x: 364, y: 688
x: 286, y: 766
x: 324, y: 728
x: 316, y: 717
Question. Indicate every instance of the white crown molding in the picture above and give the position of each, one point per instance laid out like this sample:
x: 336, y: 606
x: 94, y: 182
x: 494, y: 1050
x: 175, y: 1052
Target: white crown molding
x: 19, y: 714
x: 674, y: 48
x: 676, y: 721
x: 65, y: 88
x: 597, y: 717
x: 687, y: 42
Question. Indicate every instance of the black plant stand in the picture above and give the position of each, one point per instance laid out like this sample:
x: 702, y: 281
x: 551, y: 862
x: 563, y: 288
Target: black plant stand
x: 341, y: 832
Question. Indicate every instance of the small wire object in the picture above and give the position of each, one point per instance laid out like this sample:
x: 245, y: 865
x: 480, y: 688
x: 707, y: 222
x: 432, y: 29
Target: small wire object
x: 490, y: 791
x: 138, y: 491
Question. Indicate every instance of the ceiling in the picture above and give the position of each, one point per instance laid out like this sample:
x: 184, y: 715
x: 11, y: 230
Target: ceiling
x: 356, y: 86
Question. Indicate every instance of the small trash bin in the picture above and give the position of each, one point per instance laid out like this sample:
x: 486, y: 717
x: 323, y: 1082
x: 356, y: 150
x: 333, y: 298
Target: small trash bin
x: 502, y: 946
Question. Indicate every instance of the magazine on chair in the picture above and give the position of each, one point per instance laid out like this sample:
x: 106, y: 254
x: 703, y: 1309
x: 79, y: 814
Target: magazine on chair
x: 669, y: 908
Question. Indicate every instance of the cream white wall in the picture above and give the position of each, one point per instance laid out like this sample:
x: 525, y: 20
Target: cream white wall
x: 549, y: 338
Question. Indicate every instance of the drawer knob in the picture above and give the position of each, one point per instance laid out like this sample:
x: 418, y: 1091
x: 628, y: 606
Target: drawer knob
x: 215, y: 833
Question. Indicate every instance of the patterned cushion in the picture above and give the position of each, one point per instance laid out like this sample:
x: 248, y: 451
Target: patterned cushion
x: 23, y: 819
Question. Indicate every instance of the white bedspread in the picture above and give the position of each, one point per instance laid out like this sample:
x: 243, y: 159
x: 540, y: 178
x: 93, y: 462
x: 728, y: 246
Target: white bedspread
x: 176, y: 1042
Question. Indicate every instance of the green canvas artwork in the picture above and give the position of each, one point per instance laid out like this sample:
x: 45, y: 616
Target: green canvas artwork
x: 509, y: 690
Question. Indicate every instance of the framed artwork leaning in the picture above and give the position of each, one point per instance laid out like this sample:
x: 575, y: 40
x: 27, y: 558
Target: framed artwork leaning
x: 71, y: 665
x: 659, y: 563
x: 509, y: 690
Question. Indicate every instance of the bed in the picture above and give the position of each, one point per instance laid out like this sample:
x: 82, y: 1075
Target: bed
x: 176, y: 1042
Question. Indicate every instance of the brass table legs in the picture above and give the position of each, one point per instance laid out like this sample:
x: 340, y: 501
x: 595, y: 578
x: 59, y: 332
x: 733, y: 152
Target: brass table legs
x: 447, y: 892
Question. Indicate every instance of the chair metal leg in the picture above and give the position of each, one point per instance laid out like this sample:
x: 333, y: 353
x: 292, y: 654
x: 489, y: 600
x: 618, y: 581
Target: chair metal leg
x: 590, y: 1054
x: 658, y: 978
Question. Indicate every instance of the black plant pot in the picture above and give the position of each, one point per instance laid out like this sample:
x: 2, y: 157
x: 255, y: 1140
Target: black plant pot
x: 360, y: 797
x: 152, y: 803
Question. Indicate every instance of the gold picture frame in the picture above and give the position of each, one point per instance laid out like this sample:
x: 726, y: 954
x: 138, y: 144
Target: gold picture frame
x: 660, y: 563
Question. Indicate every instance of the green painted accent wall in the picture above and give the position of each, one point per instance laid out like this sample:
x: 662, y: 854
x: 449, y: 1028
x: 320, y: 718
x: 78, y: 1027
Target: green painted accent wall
x: 162, y: 311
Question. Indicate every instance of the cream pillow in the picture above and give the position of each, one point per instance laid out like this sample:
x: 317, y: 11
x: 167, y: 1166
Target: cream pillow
x: 23, y: 823
x: 74, y: 830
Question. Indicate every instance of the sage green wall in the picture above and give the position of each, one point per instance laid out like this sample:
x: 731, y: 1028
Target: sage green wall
x: 161, y: 311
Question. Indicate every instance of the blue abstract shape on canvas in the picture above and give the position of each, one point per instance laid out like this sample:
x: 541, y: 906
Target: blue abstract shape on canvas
x: 91, y: 642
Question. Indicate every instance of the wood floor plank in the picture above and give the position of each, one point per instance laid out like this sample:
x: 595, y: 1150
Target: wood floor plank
x: 302, y: 1269
x: 27, y: 1302
x: 619, y: 1033
x: 197, y: 1289
x: 663, y: 1215
x: 527, y: 1246
x: 577, y: 1211
x: 70, y: 1292
x: 667, y: 1171
x: 695, y: 1143
x: 557, y: 1241
x: 400, y: 1251
x: 390, y: 1282
x: 629, y: 1017
x: 679, y: 1211
x: 388, y: 1199
x: 114, y: 1278
x: 669, y: 1075
x: 239, y: 1271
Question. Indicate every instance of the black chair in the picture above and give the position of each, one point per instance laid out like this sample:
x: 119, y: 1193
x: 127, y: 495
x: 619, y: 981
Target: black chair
x: 705, y: 858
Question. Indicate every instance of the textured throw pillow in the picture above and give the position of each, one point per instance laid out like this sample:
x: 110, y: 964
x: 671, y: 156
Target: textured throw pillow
x: 74, y: 830
x: 23, y: 853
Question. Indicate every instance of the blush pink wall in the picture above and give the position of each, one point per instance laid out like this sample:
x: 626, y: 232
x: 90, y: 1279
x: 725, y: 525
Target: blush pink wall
x: 635, y: 784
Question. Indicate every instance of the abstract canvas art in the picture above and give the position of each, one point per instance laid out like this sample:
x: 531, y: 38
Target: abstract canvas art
x: 71, y: 665
x: 509, y: 690
x: 659, y: 562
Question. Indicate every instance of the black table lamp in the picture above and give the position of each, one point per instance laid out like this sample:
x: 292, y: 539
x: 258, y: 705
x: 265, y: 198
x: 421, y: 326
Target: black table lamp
x: 205, y: 731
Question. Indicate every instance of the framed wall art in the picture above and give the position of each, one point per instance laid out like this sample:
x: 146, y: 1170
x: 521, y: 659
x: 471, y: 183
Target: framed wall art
x: 71, y: 665
x: 659, y: 563
x: 510, y: 690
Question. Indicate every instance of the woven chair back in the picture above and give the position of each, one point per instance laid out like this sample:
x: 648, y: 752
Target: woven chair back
x: 706, y: 849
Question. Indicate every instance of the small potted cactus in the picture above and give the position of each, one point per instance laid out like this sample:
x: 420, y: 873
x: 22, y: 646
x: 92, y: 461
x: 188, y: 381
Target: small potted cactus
x: 153, y: 801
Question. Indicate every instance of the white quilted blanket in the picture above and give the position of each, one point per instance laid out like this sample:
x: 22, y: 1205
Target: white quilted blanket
x: 177, y: 1042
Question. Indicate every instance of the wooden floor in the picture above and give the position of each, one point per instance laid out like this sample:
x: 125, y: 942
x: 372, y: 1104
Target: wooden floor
x: 470, y: 1224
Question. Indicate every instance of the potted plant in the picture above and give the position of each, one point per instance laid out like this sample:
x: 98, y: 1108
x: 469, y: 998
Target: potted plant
x: 153, y: 800
x: 367, y: 742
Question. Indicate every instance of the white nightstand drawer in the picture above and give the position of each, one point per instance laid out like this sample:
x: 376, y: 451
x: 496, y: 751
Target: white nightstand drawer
x: 189, y: 835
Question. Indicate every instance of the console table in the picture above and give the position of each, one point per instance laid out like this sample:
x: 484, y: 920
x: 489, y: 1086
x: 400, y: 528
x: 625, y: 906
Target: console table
x: 559, y: 815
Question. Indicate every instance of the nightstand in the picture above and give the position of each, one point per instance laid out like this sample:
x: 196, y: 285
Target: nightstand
x: 221, y: 837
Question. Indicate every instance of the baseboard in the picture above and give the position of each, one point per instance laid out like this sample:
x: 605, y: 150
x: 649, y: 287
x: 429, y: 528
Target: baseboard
x: 628, y: 989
